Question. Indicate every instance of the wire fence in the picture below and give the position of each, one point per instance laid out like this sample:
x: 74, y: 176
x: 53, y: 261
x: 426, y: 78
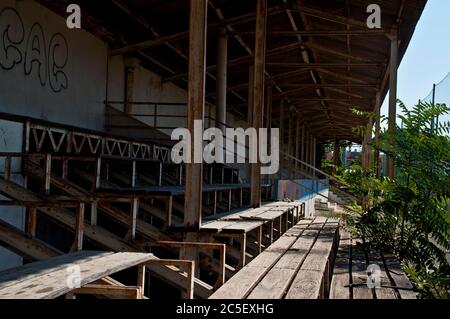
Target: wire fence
x: 440, y: 94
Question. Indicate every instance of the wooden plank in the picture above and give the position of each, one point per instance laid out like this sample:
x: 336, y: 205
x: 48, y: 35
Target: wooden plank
x: 240, y: 284
x: 307, y: 285
x: 399, y: 278
x: 33, y: 270
x: 341, y: 270
x: 126, y: 292
x: 381, y: 292
x: 243, y: 282
x: 273, y: 285
x: 359, y: 274
x: 242, y: 226
x: 54, y: 283
x: 278, y: 279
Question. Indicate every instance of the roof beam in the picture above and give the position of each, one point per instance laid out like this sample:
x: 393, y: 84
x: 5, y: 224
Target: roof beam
x: 325, y: 15
x: 185, y: 34
x: 317, y: 33
x: 243, y: 59
x: 325, y: 65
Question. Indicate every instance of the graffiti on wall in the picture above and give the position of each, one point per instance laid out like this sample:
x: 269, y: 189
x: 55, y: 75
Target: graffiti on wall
x: 29, y: 49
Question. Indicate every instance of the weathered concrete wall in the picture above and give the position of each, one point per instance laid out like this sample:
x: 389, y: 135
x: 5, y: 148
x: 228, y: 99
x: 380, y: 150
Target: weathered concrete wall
x: 49, y: 71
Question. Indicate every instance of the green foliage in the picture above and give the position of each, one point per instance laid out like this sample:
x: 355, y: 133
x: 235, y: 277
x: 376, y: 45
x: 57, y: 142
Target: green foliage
x: 410, y: 215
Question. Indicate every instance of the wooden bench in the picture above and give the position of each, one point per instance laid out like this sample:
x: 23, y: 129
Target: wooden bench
x: 298, y: 265
x: 351, y: 274
x: 58, y: 276
x: 261, y: 223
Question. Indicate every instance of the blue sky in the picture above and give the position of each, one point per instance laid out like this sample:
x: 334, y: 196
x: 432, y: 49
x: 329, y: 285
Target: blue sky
x: 427, y: 59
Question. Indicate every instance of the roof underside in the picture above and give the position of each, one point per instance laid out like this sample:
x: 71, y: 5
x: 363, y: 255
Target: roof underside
x: 321, y: 76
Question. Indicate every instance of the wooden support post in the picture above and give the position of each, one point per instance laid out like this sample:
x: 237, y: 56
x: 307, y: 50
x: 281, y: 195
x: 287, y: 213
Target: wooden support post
x: 286, y: 222
x: 189, y: 294
x: 160, y: 173
x: 271, y: 232
x: 94, y: 213
x: 211, y: 175
x: 241, y: 197
x: 280, y: 226
x: 260, y: 231
x: 130, y: 67
x: 269, y: 102
x: 376, y: 160
x: 337, y: 154
x: 169, y: 208
x: 393, y: 68
x: 291, y: 136
x: 297, y: 141
x: 65, y: 168
x: 107, y: 172
x: 133, y: 174
x: 258, y: 94
x: 196, y: 110
x: 133, y: 218
x: 215, y: 203
x: 98, y: 172
x: 31, y: 221
x: 311, y: 153
x: 180, y: 176
x: 7, y: 168
x: 303, y: 147
x: 222, y: 263
x: 282, y: 102
x: 243, y: 250
x: 314, y: 154
x: 141, y: 279
x: 251, y: 84
x: 79, y: 229
x: 48, y: 172
x: 221, y: 79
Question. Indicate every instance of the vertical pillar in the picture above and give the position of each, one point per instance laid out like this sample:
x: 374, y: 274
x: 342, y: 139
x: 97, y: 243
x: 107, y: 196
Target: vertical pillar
x: 269, y: 107
x: 297, y: 140
x: 337, y: 154
x: 393, y: 67
x: 130, y: 68
x: 311, y: 153
x: 281, y: 127
x: 307, y: 148
x: 221, y: 79
x: 196, y: 109
x: 251, y: 84
x: 368, y: 143
x: 303, y: 148
x: 258, y: 94
x: 314, y: 152
x: 290, y: 133
x: 376, y: 160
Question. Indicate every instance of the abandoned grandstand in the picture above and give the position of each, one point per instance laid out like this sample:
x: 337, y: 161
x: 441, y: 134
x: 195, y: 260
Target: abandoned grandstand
x: 93, y: 204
